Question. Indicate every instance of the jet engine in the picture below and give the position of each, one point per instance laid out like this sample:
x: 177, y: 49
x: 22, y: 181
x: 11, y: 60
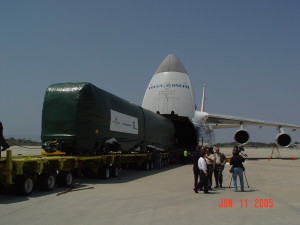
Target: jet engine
x: 241, y: 136
x: 283, y: 140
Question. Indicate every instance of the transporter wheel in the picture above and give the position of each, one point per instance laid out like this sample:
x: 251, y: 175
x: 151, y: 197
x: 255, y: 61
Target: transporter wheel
x: 65, y: 179
x: 47, y: 181
x: 167, y: 162
x: 146, y: 166
x: 90, y: 172
x: 151, y: 165
x: 114, y: 171
x: 77, y: 173
x: 24, y: 185
x: 125, y: 166
x: 104, y: 172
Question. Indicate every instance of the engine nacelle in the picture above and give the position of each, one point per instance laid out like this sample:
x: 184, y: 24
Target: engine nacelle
x: 283, y: 140
x: 241, y: 137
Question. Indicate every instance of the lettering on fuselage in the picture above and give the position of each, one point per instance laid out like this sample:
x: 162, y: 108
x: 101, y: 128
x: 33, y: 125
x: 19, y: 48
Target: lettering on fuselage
x: 168, y: 85
x: 168, y: 88
x: 166, y: 92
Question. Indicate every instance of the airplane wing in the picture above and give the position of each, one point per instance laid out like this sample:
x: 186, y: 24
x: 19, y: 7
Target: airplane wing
x: 222, y: 121
x: 217, y: 121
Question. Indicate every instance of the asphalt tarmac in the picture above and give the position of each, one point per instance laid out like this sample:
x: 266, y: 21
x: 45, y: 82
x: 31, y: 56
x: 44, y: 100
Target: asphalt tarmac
x: 166, y: 197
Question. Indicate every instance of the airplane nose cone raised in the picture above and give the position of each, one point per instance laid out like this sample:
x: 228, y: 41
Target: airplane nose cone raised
x: 171, y: 64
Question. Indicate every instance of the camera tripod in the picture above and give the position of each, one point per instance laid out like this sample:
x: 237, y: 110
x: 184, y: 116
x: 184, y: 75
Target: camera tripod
x: 276, y: 152
x: 244, y: 173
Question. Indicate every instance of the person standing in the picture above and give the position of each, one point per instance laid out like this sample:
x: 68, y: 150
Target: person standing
x: 219, y: 167
x: 203, y: 184
x: 210, y: 160
x: 238, y: 168
x: 196, y: 156
x: 185, y: 156
x: 2, y: 140
x: 157, y: 159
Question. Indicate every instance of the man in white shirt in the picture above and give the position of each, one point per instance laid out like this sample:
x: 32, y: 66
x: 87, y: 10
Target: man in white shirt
x: 203, y: 175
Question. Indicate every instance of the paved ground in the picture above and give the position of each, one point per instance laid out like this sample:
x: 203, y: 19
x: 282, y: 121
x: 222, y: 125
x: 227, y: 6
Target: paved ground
x: 167, y: 197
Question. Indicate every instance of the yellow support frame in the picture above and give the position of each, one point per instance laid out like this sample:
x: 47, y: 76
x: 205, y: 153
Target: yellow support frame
x: 12, y: 166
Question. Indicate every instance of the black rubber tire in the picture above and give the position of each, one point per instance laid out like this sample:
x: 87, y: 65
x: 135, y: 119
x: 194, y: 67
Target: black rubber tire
x: 104, y: 172
x: 151, y: 165
x: 114, y: 171
x: 47, y: 181
x: 65, y: 179
x: 146, y: 166
x: 77, y: 173
x: 163, y: 163
x: 167, y: 162
x: 24, y: 185
x: 90, y: 172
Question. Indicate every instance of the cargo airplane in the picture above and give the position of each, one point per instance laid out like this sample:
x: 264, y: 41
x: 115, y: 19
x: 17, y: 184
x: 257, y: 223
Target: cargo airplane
x: 170, y: 94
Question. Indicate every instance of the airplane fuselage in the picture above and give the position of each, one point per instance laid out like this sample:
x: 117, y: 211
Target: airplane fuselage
x: 170, y: 94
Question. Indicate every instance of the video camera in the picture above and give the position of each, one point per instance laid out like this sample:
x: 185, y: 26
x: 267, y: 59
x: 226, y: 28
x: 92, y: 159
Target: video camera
x: 240, y: 149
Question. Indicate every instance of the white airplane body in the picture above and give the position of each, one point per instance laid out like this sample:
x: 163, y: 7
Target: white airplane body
x: 170, y: 94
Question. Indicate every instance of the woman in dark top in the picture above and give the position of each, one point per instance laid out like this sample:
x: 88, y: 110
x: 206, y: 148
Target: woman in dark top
x: 237, y: 163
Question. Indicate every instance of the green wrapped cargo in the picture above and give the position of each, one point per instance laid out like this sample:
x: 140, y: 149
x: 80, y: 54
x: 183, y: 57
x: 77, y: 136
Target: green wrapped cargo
x: 81, y: 118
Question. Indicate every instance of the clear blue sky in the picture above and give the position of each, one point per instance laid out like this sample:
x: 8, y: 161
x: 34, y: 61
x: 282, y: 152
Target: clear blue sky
x: 247, y: 52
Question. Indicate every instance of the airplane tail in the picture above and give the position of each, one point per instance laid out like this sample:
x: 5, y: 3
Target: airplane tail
x: 203, y: 104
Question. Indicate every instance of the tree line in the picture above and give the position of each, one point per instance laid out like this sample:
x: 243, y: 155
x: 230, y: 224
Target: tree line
x: 22, y: 141
x: 249, y: 144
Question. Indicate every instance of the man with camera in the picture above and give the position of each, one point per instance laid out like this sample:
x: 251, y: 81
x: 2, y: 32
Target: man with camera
x: 238, y: 168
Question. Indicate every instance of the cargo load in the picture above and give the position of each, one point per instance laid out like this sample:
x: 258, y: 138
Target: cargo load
x: 81, y: 118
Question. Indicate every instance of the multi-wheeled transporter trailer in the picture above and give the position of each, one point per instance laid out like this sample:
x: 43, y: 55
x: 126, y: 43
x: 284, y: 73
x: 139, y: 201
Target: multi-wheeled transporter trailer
x: 24, y: 173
